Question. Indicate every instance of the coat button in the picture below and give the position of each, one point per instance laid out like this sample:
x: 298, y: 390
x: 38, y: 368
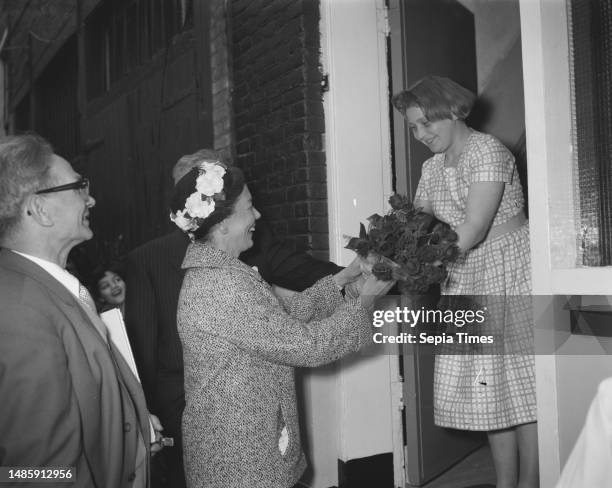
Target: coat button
x: 132, y: 477
x: 127, y: 427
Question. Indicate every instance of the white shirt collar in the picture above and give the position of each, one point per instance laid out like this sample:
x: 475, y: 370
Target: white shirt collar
x: 60, y: 274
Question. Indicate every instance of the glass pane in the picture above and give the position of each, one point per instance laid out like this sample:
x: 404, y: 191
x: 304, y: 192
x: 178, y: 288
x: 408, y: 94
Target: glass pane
x: 591, y: 85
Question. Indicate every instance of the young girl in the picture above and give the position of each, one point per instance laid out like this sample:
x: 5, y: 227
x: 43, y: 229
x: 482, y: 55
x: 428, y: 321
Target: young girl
x: 109, y: 288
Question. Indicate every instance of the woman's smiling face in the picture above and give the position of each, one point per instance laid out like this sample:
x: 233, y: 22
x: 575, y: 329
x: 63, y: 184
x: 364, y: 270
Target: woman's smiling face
x: 436, y: 135
x: 241, y: 224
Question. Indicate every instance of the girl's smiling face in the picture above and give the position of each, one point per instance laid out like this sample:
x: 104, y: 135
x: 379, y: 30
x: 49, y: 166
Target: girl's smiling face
x: 111, y: 289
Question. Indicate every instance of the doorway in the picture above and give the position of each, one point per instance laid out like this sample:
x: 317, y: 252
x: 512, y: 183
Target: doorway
x: 478, y: 45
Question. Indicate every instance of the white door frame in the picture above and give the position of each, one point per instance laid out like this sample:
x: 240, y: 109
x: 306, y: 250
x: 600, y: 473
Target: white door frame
x: 359, y: 178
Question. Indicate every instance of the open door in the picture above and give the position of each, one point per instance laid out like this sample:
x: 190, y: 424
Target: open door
x: 427, y: 37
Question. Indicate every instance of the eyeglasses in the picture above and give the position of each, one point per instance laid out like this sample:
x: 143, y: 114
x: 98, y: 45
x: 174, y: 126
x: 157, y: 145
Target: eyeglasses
x: 82, y: 185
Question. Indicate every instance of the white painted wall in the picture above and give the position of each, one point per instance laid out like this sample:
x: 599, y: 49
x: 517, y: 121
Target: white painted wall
x: 348, y: 407
x: 497, y: 27
x: 566, y: 382
x: 497, y: 31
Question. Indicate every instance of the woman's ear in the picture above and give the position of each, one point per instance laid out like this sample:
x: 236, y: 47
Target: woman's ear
x: 222, y: 227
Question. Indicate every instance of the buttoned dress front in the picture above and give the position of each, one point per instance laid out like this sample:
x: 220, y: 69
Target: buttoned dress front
x: 240, y: 345
x: 475, y: 390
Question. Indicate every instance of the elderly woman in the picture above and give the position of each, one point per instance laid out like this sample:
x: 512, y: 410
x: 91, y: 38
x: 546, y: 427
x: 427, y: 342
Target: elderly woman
x: 472, y: 184
x: 241, y: 342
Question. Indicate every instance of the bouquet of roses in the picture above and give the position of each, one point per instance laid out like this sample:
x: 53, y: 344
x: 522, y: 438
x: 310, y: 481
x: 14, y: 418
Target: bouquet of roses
x: 407, y: 246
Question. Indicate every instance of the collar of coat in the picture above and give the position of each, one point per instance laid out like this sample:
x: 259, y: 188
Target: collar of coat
x: 16, y: 262
x: 203, y: 255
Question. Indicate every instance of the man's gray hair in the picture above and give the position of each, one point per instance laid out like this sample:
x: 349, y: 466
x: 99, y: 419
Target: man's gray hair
x: 186, y: 163
x: 24, y: 169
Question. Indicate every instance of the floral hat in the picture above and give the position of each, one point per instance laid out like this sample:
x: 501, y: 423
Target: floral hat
x: 201, y: 203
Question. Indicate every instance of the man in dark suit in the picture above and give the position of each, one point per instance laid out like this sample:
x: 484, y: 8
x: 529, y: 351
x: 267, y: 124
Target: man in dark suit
x: 68, y: 398
x: 154, y: 278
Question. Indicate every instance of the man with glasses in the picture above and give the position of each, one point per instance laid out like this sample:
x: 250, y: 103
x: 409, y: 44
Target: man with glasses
x: 82, y: 185
x: 69, y: 400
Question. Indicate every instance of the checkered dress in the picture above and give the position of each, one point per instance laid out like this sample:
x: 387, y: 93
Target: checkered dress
x: 476, y: 390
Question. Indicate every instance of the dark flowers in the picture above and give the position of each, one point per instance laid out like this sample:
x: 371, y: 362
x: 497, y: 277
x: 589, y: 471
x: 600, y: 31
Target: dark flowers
x: 412, y: 249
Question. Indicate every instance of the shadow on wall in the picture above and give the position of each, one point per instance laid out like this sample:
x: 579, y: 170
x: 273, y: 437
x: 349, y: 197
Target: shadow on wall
x: 500, y: 108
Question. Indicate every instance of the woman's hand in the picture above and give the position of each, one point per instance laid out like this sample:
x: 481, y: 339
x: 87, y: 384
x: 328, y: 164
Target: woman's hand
x: 368, y: 263
x: 372, y: 289
x: 358, y: 267
x: 353, y: 289
x: 348, y: 274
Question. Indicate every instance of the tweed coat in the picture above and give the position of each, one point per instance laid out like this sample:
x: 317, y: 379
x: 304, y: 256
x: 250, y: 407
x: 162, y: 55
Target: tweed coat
x: 154, y: 277
x: 68, y: 397
x: 240, y: 347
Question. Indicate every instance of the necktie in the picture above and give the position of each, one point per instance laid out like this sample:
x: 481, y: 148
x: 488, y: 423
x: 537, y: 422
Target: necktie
x: 86, y: 299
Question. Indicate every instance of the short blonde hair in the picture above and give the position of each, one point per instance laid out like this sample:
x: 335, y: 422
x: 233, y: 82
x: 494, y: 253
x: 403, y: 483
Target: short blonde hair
x: 438, y: 97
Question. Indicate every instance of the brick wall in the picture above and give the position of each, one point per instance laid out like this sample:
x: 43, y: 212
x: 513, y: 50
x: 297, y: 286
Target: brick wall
x: 221, y: 80
x: 278, y: 115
